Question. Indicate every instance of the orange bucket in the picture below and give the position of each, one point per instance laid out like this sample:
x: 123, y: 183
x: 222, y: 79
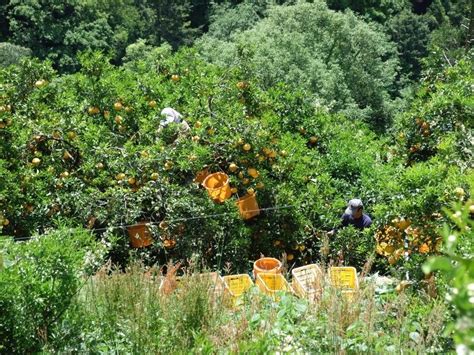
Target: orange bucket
x: 267, y: 265
x: 140, y: 236
x: 248, y: 206
x: 217, y: 186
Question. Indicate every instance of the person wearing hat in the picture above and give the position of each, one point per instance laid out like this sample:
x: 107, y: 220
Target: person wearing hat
x: 172, y: 116
x: 354, y: 215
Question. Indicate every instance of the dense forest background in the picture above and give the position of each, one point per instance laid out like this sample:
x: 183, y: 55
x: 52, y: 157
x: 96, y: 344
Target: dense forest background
x: 58, y: 30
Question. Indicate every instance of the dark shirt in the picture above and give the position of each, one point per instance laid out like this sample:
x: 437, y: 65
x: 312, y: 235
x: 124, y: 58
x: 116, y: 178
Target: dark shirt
x: 360, y: 223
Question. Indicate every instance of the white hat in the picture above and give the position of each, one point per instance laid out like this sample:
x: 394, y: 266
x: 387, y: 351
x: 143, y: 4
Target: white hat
x: 353, y: 206
x: 171, y: 116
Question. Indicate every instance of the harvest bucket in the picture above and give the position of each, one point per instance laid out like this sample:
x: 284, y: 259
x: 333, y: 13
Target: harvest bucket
x: 267, y: 265
x: 139, y: 235
x: 217, y: 186
x: 248, y: 206
x: 270, y: 283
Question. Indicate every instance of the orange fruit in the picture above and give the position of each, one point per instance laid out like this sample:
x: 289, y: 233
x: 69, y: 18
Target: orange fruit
x: 290, y: 257
x: 175, y: 77
x: 152, y: 103
x: 253, y: 172
x: 67, y: 155
x: 247, y: 147
x: 36, y: 161
x: 93, y: 110
x: 233, y: 167
x: 424, y: 248
x: 118, y: 106
x: 120, y: 176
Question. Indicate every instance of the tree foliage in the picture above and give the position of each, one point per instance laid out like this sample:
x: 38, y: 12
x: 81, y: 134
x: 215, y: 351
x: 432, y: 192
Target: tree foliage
x: 343, y: 62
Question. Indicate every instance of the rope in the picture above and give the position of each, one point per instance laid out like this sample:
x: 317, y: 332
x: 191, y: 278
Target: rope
x: 122, y: 226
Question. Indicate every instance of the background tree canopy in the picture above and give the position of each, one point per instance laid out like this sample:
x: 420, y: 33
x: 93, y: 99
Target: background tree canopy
x: 345, y: 63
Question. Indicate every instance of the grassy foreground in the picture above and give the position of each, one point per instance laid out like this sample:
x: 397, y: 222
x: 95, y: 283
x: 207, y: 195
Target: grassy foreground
x: 127, y: 312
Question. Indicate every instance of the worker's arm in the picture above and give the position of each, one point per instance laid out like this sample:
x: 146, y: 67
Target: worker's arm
x: 344, y: 223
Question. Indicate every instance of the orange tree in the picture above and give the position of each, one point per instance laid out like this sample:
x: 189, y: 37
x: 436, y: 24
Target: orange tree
x: 86, y: 148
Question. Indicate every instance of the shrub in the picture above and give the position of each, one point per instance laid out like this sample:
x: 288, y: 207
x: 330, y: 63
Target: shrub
x: 39, y: 279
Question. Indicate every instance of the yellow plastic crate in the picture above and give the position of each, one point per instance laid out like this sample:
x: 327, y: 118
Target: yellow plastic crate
x: 270, y: 283
x: 307, y: 281
x: 237, y: 285
x: 344, y: 278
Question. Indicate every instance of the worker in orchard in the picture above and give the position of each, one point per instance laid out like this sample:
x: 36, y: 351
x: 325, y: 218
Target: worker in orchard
x: 354, y: 216
x: 170, y: 115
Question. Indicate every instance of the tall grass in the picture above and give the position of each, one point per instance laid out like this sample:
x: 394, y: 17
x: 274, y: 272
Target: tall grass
x: 127, y: 312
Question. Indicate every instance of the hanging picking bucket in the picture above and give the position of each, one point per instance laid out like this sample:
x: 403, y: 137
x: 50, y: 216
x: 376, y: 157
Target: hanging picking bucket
x: 217, y: 186
x: 267, y: 265
x: 139, y: 235
x: 248, y: 206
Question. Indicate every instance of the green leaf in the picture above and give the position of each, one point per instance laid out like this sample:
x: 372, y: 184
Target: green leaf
x: 437, y: 263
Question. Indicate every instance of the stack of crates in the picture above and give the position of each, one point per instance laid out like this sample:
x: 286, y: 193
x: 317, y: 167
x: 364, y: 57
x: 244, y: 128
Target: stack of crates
x: 307, y: 282
x: 270, y: 283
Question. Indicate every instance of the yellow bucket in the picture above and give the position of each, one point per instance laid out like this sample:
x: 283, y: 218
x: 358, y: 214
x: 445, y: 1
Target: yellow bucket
x: 217, y: 186
x: 270, y: 283
x: 139, y: 235
x: 344, y: 278
x: 248, y: 206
